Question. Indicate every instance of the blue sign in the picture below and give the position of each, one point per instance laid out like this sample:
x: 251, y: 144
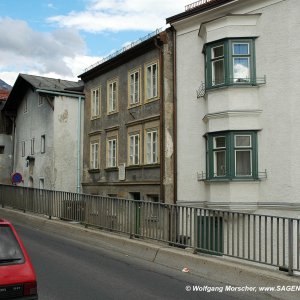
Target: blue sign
x: 16, y: 178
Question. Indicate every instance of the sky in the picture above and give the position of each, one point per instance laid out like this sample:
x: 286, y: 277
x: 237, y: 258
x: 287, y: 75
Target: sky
x: 60, y: 38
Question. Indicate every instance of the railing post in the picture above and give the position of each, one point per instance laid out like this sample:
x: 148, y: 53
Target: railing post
x: 49, y: 198
x: 291, y: 247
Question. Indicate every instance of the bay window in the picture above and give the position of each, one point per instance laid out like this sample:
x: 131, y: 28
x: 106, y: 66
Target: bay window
x: 230, y: 62
x: 232, y: 154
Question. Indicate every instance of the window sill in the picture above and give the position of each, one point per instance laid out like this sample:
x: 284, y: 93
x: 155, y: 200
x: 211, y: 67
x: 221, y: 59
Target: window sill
x: 132, y: 167
x: 111, y: 169
x: 94, y: 170
x: 95, y: 118
x: 112, y: 113
x: 157, y: 165
x: 257, y: 83
x: 222, y: 180
x: 130, y: 106
x: 151, y: 100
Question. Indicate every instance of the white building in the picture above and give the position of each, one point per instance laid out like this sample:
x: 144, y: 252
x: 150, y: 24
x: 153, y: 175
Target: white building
x: 47, y: 133
x: 238, y: 92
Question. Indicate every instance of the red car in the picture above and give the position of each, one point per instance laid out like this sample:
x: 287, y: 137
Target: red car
x: 17, y: 276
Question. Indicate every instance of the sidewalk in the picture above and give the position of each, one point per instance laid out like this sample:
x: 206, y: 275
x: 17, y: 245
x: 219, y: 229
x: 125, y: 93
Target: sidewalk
x: 225, y: 270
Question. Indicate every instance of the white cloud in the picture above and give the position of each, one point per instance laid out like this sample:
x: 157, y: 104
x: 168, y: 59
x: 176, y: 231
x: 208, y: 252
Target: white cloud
x: 118, y: 15
x: 60, y: 53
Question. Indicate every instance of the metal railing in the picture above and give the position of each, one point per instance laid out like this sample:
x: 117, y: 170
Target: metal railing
x: 265, y: 239
x: 196, y: 4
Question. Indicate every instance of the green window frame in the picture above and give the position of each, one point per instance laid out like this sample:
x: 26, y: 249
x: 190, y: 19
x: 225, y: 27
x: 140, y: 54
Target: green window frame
x: 232, y: 155
x: 230, y: 62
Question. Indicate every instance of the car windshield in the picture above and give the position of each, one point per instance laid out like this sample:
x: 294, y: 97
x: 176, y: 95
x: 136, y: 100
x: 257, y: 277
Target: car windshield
x: 10, y: 251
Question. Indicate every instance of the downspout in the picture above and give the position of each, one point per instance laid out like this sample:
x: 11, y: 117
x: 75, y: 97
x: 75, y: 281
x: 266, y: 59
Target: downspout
x: 79, y: 145
x: 175, y: 114
x: 161, y: 123
x: 13, y: 145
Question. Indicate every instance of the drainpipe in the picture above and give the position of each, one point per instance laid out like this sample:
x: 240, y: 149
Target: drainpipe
x: 161, y: 123
x: 175, y: 113
x: 79, y: 145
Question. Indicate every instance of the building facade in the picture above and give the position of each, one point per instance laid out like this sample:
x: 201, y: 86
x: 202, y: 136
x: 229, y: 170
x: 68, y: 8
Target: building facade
x: 6, y: 149
x: 237, y: 73
x: 47, y: 140
x: 128, y: 123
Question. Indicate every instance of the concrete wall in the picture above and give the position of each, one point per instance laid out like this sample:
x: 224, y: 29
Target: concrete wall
x: 6, y: 158
x: 65, y: 143
x: 271, y: 108
x: 57, y: 166
x: 37, y: 121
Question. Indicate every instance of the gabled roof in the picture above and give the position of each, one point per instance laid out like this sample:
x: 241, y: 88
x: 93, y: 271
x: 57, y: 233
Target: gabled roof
x: 205, y: 6
x: 25, y: 82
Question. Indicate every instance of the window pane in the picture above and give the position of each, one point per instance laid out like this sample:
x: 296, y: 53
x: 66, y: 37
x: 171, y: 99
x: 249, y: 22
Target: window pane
x: 220, y: 142
x: 217, y: 52
x: 10, y: 248
x: 241, y: 49
x: 243, y: 163
x: 220, y: 163
x: 241, y: 69
x: 243, y: 141
x: 218, y: 72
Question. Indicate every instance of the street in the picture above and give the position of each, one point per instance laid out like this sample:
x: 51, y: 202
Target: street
x: 71, y: 270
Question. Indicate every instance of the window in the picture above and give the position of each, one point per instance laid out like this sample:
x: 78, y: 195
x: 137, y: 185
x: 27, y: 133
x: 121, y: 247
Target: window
x: 151, y: 81
x: 41, y: 183
x: 152, y: 146
x: 134, y: 87
x: 32, y: 147
x: 112, y: 96
x: 41, y: 100
x: 112, y: 153
x: 232, y: 155
x: 10, y: 251
x: 2, y: 149
x: 43, y: 144
x: 94, y: 155
x: 134, y: 149
x: 95, y: 103
x: 23, y: 148
x: 25, y: 105
x: 230, y: 61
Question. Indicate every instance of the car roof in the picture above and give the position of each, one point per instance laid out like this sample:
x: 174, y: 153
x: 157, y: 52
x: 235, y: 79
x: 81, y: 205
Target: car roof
x: 4, y: 222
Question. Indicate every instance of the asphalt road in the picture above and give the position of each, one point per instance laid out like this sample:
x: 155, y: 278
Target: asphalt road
x: 72, y: 270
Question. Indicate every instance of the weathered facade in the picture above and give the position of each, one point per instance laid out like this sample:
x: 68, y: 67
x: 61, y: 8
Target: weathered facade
x: 128, y: 123
x: 237, y: 71
x: 6, y: 149
x: 47, y: 131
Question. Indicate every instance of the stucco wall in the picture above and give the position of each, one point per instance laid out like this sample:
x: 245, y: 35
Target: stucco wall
x: 6, y: 159
x: 37, y: 121
x: 65, y: 127
x: 106, y: 181
x: 275, y: 107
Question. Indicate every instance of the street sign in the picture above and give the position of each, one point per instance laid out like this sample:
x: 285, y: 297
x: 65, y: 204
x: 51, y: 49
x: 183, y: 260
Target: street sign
x: 16, y: 178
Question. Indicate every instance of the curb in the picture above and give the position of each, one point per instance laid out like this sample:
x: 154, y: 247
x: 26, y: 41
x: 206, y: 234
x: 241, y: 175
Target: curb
x: 236, y: 273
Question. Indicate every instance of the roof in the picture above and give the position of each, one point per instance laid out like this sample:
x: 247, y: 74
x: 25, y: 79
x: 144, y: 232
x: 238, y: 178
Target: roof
x: 50, y: 84
x: 122, y: 56
x: 3, y: 95
x: 25, y: 82
x: 199, y: 7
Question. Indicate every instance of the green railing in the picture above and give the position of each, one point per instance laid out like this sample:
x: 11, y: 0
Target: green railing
x: 265, y: 239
